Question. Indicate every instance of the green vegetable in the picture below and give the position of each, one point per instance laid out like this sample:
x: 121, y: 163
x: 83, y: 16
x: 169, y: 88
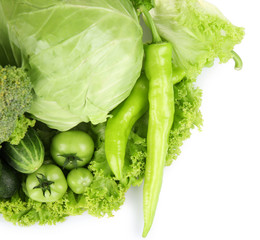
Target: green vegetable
x: 72, y: 149
x: 104, y: 63
x: 15, y: 99
x: 159, y: 71
x: 9, y: 180
x: 158, y: 67
x: 22, y: 125
x: 105, y: 195
x: 79, y: 180
x: 187, y: 116
x: 6, y: 46
x: 47, y: 184
x: 28, y: 155
x: 119, y: 126
x: 79, y: 88
x: 198, y: 32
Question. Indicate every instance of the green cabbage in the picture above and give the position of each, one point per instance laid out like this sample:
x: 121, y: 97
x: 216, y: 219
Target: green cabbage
x: 6, y: 56
x: 198, y: 32
x: 83, y: 57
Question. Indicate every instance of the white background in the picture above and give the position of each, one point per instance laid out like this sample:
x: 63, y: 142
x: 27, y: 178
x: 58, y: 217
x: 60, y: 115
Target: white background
x: 212, y: 192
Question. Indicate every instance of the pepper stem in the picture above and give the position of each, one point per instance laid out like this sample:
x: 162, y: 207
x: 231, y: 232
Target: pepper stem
x: 238, y: 60
x: 155, y: 34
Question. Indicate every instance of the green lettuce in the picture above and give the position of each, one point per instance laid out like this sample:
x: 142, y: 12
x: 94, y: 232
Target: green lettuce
x: 81, y: 61
x: 198, y: 32
x: 22, y: 125
x: 187, y: 116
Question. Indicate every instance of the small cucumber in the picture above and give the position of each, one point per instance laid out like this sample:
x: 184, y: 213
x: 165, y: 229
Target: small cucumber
x: 27, y: 156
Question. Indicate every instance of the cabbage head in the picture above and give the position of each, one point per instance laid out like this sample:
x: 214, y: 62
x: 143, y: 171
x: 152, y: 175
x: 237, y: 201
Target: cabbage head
x: 83, y: 56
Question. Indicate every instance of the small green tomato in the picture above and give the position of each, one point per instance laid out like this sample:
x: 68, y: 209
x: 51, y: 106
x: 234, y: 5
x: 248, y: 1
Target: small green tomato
x: 79, y: 179
x: 72, y: 149
x: 47, y: 184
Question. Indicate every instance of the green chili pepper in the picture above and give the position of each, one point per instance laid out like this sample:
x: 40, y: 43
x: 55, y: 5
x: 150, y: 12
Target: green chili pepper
x: 159, y: 71
x: 119, y: 126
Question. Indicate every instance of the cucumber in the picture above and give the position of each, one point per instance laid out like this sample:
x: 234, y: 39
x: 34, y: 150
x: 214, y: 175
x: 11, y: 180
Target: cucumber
x: 9, y: 180
x: 27, y: 156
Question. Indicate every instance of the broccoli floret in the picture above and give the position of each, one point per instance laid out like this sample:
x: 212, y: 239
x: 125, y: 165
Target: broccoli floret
x: 15, y: 99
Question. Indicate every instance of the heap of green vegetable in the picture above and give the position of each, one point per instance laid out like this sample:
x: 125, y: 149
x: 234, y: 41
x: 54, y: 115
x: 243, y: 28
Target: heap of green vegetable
x: 88, y: 110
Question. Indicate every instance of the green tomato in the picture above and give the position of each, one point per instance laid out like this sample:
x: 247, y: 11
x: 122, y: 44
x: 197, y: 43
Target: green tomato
x: 47, y: 184
x: 79, y: 179
x: 72, y: 149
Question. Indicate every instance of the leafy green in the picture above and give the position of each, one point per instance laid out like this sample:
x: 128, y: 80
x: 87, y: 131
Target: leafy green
x: 15, y: 99
x: 198, y: 32
x: 22, y: 125
x: 82, y: 65
x: 6, y: 46
x: 24, y: 211
x: 187, y: 116
x: 103, y: 197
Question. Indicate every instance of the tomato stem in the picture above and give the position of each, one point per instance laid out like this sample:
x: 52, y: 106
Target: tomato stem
x: 44, y: 183
x: 71, y: 158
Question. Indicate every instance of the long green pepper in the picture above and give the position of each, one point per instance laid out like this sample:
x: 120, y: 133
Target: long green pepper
x: 159, y: 71
x: 120, y: 125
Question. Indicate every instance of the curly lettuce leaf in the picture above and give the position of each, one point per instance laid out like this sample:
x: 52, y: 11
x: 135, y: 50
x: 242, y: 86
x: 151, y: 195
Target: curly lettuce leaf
x: 22, y: 124
x: 24, y: 211
x: 103, y: 197
x: 134, y: 167
x: 187, y: 116
x: 198, y: 32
